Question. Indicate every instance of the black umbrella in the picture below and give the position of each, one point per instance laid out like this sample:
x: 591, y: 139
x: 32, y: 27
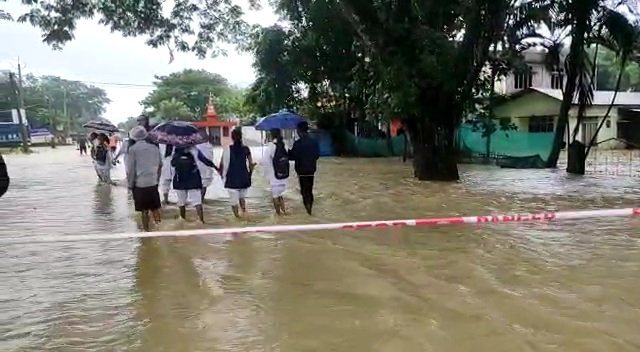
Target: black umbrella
x: 101, y: 125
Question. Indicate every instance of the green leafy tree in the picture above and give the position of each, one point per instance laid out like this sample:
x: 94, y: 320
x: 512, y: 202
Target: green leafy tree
x: 192, y: 88
x: 195, y: 26
x: 591, y: 22
x: 130, y: 123
x: 173, y: 109
x: 60, y: 104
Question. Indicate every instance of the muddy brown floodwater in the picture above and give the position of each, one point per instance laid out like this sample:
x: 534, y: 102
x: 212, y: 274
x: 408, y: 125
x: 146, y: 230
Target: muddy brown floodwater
x: 564, y: 286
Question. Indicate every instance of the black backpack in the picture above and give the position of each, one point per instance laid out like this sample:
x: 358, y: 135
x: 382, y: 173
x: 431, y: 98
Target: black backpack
x: 101, y: 154
x: 185, y: 164
x: 280, y: 162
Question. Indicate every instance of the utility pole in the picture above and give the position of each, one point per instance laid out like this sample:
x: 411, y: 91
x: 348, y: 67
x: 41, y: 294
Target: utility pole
x: 16, y: 88
x: 66, y: 116
x: 52, y: 123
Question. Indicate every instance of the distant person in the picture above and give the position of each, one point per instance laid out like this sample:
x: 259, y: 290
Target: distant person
x: 166, y: 177
x: 187, y: 181
x: 144, y: 165
x: 102, y: 159
x: 205, y: 171
x: 82, y: 145
x: 143, y: 120
x: 236, y: 168
x: 276, y: 167
x: 305, y: 152
x: 4, y: 177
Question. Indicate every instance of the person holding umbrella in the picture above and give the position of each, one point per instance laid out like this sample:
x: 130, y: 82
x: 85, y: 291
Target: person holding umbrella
x: 187, y: 179
x: 275, y: 166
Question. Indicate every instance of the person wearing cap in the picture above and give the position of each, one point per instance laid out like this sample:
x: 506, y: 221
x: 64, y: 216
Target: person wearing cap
x: 305, y: 153
x: 142, y: 120
x: 4, y: 177
x: 143, y: 165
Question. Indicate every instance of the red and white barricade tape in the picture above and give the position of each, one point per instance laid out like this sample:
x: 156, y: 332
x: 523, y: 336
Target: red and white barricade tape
x: 452, y: 220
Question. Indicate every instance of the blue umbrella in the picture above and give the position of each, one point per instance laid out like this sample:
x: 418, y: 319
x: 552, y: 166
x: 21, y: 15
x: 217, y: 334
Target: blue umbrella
x: 177, y: 134
x: 283, y: 120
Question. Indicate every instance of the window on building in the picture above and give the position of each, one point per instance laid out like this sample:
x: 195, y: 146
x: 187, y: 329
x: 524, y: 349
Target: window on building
x: 589, y: 131
x: 5, y: 116
x: 540, y: 124
x: 557, y: 80
x: 523, y: 79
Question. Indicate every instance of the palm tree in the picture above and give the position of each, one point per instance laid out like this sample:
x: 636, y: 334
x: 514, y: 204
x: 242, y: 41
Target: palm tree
x: 621, y: 36
x: 578, y: 16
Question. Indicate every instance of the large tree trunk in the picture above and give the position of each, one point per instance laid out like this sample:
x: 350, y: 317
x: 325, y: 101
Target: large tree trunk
x: 576, y: 158
x: 434, y: 152
x: 581, y: 26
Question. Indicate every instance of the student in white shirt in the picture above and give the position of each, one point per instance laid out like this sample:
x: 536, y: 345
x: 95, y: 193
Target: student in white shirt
x: 166, y: 175
x: 206, y: 172
x: 275, y: 166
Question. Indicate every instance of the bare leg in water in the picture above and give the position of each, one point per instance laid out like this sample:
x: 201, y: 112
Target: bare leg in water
x: 157, y: 216
x: 165, y: 198
x: 240, y: 206
x: 145, y: 220
x: 203, y: 192
x: 200, y: 213
x: 278, y: 205
x: 183, y: 212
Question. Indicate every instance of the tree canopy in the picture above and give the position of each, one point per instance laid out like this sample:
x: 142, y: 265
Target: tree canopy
x: 189, y: 26
x: 424, y: 62
x: 47, y: 98
x: 185, y: 94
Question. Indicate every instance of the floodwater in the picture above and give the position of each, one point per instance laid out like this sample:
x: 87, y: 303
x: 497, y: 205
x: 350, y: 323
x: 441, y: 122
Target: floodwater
x: 564, y: 286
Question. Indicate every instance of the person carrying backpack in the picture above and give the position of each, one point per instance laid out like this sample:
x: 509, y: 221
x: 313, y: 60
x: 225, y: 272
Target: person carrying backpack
x: 187, y: 181
x: 275, y: 166
x: 102, y: 159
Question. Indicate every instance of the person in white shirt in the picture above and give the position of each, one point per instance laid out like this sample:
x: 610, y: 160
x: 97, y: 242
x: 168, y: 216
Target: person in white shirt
x: 236, y: 168
x: 206, y: 172
x: 166, y: 175
x: 275, y: 166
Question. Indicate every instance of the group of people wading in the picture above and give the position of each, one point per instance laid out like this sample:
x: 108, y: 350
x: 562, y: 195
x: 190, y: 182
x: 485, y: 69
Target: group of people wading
x: 153, y: 169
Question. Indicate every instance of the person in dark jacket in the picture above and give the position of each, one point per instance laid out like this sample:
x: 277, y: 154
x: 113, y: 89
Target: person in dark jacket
x: 305, y: 153
x: 4, y: 177
x: 187, y: 181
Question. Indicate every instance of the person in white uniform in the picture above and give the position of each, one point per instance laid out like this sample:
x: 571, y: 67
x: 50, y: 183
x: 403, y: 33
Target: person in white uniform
x: 206, y: 172
x: 166, y: 175
x: 275, y: 166
x: 236, y: 168
x: 187, y: 181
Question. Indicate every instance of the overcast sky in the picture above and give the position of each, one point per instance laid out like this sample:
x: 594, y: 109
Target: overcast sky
x: 96, y: 55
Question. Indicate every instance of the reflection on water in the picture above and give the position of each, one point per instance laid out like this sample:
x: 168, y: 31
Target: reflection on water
x: 565, y: 286
x: 103, y: 205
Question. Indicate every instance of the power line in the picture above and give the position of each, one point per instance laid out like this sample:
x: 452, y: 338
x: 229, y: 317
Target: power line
x: 132, y: 85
